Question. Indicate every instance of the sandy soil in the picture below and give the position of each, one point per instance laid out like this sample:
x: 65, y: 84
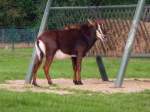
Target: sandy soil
x: 65, y: 86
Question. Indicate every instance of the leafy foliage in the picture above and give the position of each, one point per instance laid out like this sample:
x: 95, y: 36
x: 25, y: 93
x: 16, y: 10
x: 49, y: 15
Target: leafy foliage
x: 27, y: 12
x: 18, y: 13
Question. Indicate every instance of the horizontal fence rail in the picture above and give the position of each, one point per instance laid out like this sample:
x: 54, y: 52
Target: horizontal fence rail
x: 117, y: 18
x: 94, y: 7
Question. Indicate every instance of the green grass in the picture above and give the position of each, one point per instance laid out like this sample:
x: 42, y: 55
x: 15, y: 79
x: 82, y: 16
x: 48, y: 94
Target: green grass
x: 81, y: 102
x: 13, y: 65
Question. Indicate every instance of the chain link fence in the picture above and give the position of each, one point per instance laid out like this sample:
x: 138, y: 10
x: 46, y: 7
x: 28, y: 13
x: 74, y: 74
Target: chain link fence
x: 118, y: 19
x: 17, y: 37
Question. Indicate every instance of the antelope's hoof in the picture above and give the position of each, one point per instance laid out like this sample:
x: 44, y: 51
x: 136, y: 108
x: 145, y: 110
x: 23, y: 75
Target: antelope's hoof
x: 77, y: 82
x: 35, y: 84
x: 80, y: 83
x: 50, y: 82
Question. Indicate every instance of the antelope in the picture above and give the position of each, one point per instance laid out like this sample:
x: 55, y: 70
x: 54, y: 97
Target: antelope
x: 72, y: 42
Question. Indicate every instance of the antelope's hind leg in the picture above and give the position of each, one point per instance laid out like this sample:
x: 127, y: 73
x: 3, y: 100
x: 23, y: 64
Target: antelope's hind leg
x: 46, y: 68
x: 35, y: 69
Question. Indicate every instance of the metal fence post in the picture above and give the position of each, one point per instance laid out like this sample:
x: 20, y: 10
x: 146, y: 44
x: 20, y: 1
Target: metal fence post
x: 3, y: 35
x: 129, y: 44
x: 28, y: 77
x: 101, y: 68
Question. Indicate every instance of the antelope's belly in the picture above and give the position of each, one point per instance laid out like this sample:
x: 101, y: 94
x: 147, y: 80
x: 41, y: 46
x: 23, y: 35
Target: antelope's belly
x: 60, y: 55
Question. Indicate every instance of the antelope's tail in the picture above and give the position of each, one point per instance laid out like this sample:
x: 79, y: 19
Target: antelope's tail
x: 40, y: 49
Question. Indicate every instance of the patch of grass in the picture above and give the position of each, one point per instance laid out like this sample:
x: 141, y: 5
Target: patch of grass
x: 14, y: 65
x: 42, y: 102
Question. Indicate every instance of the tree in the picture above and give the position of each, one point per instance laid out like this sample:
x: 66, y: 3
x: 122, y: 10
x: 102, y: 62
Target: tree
x: 18, y: 12
x: 28, y: 12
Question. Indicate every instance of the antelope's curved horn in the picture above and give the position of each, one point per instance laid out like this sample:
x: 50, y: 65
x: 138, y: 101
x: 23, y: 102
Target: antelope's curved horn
x: 90, y: 21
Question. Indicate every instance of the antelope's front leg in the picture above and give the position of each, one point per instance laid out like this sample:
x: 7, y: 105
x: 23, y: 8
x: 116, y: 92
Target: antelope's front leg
x: 74, y: 59
x: 78, y: 70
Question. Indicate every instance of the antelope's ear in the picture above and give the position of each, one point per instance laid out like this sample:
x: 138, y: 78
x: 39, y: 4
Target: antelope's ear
x: 90, y: 22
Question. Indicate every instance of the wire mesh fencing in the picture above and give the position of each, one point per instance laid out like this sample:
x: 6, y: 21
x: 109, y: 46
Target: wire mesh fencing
x: 118, y: 20
x: 12, y: 37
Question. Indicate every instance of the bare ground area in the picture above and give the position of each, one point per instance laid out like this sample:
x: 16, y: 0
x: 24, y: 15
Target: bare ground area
x: 65, y: 86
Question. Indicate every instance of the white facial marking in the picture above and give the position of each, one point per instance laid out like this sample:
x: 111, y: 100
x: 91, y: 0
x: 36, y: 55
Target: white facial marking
x: 60, y: 55
x: 99, y: 33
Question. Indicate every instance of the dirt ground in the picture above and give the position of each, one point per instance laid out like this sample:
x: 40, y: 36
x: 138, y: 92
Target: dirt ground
x: 65, y: 86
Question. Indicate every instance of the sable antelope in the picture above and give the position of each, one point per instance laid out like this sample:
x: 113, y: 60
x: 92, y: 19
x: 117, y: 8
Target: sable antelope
x: 73, y: 43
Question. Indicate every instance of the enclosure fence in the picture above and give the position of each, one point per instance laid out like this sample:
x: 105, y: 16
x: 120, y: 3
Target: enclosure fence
x: 17, y: 37
x: 117, y: 18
